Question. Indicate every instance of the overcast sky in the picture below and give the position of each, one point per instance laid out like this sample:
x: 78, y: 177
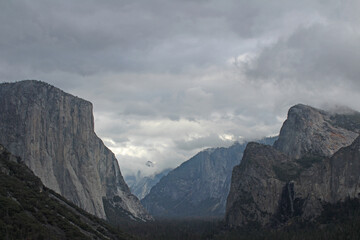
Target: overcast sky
x: 170, y: 78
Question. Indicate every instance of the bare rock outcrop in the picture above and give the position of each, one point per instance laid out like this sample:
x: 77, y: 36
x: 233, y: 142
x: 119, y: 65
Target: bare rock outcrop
x: 308, y: 130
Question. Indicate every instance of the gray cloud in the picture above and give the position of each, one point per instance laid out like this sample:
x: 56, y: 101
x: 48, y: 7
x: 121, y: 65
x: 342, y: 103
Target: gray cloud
x: 89, y: 37
x: 170, y: 78
x: 317, y: 54
x: 213, y: 140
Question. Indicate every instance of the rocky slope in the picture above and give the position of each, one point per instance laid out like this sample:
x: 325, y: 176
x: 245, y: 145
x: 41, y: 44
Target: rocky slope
x: 198, y: 187
x: 54, y: 133
x: 29, y: 210
x: 315, y: 166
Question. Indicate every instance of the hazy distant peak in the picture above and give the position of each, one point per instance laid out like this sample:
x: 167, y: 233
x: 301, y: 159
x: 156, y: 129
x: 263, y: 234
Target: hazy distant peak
x: 340, y: 109
x: 209, y: 150
x: 331, y: 109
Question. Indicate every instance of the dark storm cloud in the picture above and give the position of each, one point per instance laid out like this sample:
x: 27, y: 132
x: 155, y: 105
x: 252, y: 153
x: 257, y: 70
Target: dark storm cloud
x: 90, y: 36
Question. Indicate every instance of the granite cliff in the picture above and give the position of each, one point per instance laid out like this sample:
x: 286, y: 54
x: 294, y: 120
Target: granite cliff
x: 308, y: 130
x: 54, y: 133
x: 255, y: 189
x: 314, y: 162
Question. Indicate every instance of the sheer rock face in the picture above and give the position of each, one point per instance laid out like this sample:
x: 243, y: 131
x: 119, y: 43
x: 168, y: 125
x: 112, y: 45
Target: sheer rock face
x: 331, y: 180
x: 344, y: 173
x: 54, y: 133
x: 197, y: 188
x: 255, y: 188
x: 316, y: 166
x: 309, y: 130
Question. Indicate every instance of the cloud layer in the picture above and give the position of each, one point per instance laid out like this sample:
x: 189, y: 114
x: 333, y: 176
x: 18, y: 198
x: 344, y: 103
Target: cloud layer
x: 169, y: 78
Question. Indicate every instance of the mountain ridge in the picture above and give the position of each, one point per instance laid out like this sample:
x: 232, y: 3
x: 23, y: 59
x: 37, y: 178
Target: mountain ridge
x: 198, y: 187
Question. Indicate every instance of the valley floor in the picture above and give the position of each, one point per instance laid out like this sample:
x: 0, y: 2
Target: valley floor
x: 340, y: 221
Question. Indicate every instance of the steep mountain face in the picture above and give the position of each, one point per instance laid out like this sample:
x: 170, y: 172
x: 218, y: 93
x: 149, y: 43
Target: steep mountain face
x: 255, y: 189
x: 309, y: 130
x: 54, y: 133
x: 316, y: 167
x: 29, y: 210
x: 142, y: 186
x: 198, y: 187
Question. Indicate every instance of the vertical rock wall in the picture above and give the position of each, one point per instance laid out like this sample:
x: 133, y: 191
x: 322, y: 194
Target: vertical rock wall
x: 53, y: 132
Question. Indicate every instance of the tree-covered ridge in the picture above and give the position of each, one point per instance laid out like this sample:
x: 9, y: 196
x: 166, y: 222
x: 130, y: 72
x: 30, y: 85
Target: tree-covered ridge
x: 28, y: 210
